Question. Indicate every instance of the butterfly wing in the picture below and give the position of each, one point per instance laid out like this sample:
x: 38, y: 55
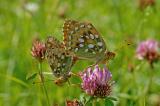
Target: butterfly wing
x: 83, y: 40
x: 57, y: 57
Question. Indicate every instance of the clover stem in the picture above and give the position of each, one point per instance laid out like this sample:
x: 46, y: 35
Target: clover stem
x: 42, y: 80
x: 94, y: 102
x: 151, y: 74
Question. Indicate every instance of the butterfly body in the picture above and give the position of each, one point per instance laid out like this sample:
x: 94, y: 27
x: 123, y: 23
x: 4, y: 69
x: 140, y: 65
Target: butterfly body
x: 84, y: 41
x: 58, y: 59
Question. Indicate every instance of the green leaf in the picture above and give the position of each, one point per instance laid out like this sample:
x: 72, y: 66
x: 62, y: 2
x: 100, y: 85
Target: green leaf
x: 86, y: 99
x: 12, y: 78
x: 108, y: 102
x: 31, y: 76
x: 112, y: 98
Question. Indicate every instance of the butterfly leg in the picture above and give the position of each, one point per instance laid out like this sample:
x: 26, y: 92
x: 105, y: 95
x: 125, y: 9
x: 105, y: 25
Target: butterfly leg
x: 69, y: 82
x: 74, y: 74
x: 92, y: 65
x: 61, y: 80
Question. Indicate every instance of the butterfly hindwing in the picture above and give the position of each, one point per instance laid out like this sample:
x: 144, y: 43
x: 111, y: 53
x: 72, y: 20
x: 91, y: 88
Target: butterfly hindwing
x: 57, y: 57
x: 83, y: 39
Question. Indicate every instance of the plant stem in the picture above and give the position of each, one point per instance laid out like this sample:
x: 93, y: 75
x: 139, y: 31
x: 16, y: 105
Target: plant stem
x: 117, y: 9
x: 94, y: 102
x: 150, y: 81
x: 90, y: 99
x: 42, y: 80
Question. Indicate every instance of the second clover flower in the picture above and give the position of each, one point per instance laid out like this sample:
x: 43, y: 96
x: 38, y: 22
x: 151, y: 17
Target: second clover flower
x: 148, y: 50
x: 97, y: 82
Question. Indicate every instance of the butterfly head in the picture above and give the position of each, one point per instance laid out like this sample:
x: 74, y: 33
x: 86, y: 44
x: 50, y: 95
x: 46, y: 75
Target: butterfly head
x: 107, y: 56
x: 61, y: 80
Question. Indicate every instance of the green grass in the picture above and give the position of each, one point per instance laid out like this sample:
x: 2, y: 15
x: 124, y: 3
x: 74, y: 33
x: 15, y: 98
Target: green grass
x: 116, y: 20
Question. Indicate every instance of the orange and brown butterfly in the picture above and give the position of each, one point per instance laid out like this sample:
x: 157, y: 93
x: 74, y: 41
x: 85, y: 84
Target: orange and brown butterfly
x: 59, y: 61
x: 84, y: 41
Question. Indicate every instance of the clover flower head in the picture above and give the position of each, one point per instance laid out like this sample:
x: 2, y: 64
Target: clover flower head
x: 38, y: 49
x: 148, y: 50
x: 97, y: 82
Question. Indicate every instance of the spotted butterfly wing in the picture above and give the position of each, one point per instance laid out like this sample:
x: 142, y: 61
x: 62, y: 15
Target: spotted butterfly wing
x: 58, y: 59
x: 83, y: 40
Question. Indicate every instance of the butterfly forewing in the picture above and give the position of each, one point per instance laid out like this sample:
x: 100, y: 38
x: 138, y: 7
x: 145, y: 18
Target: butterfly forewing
x: 57, y: 57
x: 82, y: 39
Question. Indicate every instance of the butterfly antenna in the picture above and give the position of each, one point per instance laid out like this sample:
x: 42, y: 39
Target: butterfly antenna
x: 75, y: 74
x: 69, y: 82
x: 39, y: 82
x: 122, y: 45
x: 76, y: 85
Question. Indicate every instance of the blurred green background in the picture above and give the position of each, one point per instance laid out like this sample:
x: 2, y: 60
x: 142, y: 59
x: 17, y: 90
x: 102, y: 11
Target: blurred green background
x: 116, y: 20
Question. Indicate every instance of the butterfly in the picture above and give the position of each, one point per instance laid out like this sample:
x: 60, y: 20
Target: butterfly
x: 84, y: 41
x: 58, y: 60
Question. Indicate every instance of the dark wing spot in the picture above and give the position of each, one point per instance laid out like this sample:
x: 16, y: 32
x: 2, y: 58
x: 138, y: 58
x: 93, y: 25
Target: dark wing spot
x: 89, y: 32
